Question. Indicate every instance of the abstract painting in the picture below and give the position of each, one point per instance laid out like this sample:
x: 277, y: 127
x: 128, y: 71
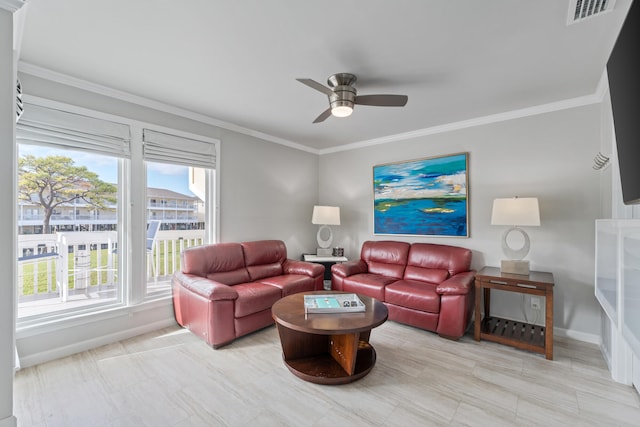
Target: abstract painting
x: 426, y: 197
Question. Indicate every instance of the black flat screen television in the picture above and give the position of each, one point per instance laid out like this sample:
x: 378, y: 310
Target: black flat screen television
x: 623, y: 70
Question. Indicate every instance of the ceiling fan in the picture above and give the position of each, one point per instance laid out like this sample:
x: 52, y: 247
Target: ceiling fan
x: 343, y: 96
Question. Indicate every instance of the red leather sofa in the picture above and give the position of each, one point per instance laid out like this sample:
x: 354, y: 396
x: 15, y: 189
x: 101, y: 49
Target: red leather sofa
x: 226, y: 290
x: 426, y: 285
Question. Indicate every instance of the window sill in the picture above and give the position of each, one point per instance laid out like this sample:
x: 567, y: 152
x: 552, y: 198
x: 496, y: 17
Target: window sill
x: 60, y: 321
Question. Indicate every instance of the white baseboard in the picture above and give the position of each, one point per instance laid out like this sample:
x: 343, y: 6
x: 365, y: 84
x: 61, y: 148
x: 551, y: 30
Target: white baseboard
x: 9, y: 422
x: 77, y: 347
x: 577, y: 335
x: 606, y: 356
x: 16, y: 359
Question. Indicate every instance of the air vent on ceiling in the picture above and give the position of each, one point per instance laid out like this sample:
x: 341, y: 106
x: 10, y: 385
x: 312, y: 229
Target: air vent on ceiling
x: 580, y: 10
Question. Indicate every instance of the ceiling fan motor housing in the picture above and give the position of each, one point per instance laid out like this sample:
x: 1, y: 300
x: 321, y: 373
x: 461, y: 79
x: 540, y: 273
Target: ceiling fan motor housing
x: 341, y: 79
x: 344, y: 93
x: 343, y: 96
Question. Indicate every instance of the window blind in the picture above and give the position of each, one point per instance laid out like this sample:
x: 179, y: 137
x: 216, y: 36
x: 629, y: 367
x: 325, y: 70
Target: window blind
x: 166, y: 148
x: 49, y: 126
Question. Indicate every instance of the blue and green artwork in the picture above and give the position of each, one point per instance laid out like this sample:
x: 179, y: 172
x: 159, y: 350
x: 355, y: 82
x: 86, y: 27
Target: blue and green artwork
x: 422, y: 197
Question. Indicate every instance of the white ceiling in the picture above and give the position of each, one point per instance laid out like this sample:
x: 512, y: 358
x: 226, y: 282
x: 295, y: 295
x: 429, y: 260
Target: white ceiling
x: 237, y: 61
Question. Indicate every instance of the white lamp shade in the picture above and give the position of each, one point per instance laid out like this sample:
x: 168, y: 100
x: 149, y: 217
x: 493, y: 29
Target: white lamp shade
x: 516, y: 211
x: 326, y: 215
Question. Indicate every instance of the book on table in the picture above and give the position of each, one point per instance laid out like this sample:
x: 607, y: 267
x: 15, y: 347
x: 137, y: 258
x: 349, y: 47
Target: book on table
x: 333, y: 303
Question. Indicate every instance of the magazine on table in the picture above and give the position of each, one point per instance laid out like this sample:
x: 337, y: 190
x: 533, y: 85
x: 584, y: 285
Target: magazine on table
x: 333, y: 303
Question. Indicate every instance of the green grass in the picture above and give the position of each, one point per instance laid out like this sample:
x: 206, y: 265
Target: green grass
x: 46, y: 269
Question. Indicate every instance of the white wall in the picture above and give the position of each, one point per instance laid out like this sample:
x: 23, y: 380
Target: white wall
x: 268, y: 192
x: 609, y: 177
x: 7, y: 168
x: 549, y: 156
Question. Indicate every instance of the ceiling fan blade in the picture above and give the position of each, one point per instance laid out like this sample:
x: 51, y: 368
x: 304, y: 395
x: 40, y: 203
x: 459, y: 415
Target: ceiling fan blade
x: 382, y: 100
x: 317, y: 86
x: 323, y: 116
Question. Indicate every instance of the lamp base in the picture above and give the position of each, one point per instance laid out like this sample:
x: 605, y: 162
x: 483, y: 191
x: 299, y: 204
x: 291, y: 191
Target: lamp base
x: 514, y: 267
x: 324, y: 251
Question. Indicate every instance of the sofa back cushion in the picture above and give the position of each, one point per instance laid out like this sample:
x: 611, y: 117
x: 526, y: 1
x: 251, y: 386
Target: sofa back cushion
x: 222, y: 262
x: 264, y: 258
x: 434, y: 263
x: 387, y: 258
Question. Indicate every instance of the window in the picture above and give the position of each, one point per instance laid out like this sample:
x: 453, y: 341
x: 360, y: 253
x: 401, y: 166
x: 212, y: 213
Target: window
x: 68, y: 165
x: 181, y: 213
x: 74, y: 236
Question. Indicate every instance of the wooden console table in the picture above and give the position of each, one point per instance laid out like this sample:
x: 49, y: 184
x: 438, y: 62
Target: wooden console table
x: 521, y: 335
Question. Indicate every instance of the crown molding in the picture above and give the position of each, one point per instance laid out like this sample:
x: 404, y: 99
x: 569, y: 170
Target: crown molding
x: 64, y: 79
x: 11, y: 5
x: 581, y: 101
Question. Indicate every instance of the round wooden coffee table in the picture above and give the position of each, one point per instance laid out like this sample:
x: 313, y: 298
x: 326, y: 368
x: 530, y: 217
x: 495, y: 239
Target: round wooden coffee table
x: 327, y: 348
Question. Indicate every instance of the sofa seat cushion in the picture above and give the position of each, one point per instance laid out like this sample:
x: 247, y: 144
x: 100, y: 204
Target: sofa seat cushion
x: 291, y: 283
x: 254, y: 297
x: 421, y: 296
x: 367, y: 284
x: 432, y: 275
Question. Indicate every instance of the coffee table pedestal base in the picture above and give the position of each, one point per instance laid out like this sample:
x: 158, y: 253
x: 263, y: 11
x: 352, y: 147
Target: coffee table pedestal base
x: 327, y: 359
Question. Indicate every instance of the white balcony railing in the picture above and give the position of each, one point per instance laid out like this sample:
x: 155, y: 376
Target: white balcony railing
x: 63, y: 265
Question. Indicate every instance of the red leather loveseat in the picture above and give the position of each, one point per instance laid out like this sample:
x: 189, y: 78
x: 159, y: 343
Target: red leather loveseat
x: 425, y: 285
x: 226, y: 290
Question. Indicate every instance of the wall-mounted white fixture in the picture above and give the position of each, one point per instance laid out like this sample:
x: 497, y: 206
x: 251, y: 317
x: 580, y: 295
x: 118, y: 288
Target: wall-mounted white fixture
x: 19, y: 103
x: 600, y: 161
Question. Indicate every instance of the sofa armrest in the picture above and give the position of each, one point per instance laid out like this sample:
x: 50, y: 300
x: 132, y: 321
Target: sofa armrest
x: 349, y: 268
x: 310, y: 269
x: 460, y: 284
x: 206, y: 288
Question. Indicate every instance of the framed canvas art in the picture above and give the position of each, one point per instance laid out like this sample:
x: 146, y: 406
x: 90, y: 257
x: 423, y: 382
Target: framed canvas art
x: 426, y: 197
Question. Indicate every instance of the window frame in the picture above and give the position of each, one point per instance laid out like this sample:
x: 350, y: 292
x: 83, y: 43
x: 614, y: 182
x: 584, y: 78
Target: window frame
x: 211, y: 191
x: 131, y: 216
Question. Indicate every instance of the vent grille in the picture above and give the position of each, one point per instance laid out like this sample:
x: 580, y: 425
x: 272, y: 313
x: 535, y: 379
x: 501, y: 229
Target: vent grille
x: 19, y: 104
x: 579, y: 10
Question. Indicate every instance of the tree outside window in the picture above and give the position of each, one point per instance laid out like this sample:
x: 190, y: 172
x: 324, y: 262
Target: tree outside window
x: 55, y: 180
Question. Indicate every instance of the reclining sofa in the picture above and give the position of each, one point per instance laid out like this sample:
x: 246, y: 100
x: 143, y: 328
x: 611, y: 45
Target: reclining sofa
x: 226, y: 290
x: 429, y: 286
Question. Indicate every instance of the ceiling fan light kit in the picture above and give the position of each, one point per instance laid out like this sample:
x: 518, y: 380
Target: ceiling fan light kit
x: 341, y: 110
x: 343, y: 96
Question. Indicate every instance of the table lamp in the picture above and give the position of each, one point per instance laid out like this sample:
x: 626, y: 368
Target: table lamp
x: 325, y: 216
x: 515, y: 212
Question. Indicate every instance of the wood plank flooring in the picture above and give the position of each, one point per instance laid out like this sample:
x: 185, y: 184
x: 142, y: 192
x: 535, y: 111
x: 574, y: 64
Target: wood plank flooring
x: 172, y: 378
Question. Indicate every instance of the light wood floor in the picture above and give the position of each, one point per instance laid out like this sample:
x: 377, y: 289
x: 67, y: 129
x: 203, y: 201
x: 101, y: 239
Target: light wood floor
x: 171, y: 378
